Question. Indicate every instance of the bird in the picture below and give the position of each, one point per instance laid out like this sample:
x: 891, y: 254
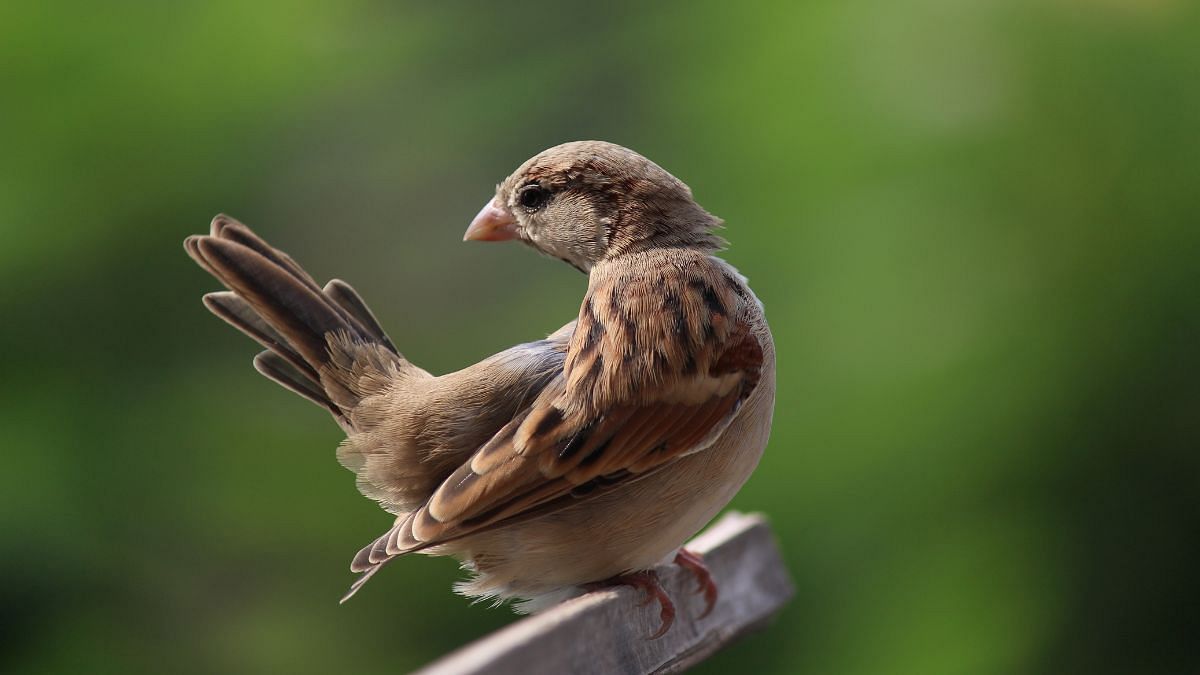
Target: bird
x: 577, y: 461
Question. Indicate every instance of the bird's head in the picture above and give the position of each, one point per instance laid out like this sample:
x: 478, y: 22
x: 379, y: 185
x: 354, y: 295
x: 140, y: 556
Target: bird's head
x: 587, y: 201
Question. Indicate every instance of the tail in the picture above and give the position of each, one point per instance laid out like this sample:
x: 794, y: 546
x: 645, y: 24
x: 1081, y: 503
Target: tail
x: 322, y: 343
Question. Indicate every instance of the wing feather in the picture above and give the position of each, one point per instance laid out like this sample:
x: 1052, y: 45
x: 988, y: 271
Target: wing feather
x: 655, y: 369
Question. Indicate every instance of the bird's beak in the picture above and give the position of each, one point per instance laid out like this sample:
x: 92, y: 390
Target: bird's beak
x: 493, y: 223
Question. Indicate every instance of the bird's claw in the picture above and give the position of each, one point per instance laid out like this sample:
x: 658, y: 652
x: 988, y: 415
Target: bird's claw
x: 647, y: 581
x: 694, y: 563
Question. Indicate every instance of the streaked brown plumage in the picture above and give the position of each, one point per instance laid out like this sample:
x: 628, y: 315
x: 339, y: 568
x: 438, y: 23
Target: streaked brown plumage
x: 593, y: 453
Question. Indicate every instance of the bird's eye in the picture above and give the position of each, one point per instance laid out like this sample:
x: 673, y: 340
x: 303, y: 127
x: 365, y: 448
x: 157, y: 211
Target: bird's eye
x: 533, y: 197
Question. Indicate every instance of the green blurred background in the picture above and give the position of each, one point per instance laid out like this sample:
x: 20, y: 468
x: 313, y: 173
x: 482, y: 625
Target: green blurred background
x: 975, y: 227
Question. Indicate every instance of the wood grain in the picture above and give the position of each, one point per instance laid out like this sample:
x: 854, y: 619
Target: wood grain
x: 606, y: 631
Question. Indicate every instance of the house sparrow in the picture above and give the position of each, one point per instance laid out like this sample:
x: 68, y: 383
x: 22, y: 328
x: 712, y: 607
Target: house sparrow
x: 582, y: 459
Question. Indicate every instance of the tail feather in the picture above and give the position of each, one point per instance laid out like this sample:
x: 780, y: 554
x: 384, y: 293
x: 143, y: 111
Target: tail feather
x: 282, y: 300
x: 239, y: 314
x: 348, y: 299
x: 228, y: 229
x: 275, y: 302
x: 224, y: 227
x: 192, y: 246
x: 279, y: 370
x: 324, y: 344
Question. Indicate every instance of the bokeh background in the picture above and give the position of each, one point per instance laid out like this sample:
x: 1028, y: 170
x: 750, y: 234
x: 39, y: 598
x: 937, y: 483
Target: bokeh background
x: 975, y: 227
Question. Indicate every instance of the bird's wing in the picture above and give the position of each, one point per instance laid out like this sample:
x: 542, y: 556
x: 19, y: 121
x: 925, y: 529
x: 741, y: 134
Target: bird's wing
x: 655, y: 370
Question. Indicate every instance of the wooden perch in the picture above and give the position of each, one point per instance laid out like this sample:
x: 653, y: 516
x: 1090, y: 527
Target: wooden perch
x: 606, y: 631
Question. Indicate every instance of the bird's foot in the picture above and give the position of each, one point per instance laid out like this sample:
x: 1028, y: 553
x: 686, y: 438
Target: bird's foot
x: 646, y: 581
x: 694, y: 563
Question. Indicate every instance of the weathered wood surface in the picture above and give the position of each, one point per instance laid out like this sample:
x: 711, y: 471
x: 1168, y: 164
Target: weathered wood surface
x: 606, y: 631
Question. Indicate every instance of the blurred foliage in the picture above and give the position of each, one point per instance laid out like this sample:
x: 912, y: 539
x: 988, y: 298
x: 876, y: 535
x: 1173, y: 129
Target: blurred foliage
x: 975, y: 227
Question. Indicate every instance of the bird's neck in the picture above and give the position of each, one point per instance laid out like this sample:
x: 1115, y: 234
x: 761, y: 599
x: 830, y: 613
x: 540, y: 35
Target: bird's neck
x: 679, y: 226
